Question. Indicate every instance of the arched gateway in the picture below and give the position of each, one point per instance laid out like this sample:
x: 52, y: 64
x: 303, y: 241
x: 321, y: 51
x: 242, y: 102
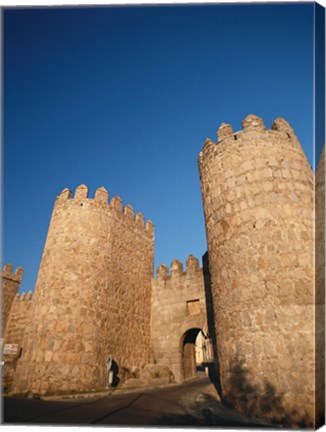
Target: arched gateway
x: 179, y: 317
x: 196, y: 352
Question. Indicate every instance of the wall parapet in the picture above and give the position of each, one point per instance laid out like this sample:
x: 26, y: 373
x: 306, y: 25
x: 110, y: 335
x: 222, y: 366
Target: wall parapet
x: 10, y: 283
x: 24, y: 296
x: 251, y: 124
x: 8, y: 273
x: 101, y: 199
x: 176, y: 268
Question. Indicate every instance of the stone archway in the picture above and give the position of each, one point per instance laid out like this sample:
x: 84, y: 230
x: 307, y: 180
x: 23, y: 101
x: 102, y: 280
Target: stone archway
x: 189, y: 361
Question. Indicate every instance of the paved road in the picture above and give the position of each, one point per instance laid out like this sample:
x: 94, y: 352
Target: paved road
x: 180, y: 405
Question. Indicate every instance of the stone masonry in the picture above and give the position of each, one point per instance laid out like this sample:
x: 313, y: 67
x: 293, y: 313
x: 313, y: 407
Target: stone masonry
x: 10, y: 287
x: 257, y: 190
x: 18, y: 322
x: 178, y: 305
x: 259, y: 297
x: 320, y: 286
x: 92, y: 298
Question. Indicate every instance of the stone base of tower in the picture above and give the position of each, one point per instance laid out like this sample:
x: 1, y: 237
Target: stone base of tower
x: 267, y: 368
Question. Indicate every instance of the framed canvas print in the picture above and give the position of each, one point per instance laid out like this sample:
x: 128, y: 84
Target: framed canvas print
x: 152, y: 276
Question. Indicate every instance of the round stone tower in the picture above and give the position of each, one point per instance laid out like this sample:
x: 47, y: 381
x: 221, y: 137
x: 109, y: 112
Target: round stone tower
x: 92, y: 296
x: 257, y: 189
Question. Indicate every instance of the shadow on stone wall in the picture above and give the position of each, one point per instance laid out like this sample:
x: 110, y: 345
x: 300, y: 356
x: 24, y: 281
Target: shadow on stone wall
x: 213, y: 368
x: 250, y: 406
x: 252, y: 400
x: 209, y: 412
x: 259, y: 401
x: 115, y: 370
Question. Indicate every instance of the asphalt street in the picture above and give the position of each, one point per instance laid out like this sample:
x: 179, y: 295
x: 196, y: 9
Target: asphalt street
x: 187, y: 404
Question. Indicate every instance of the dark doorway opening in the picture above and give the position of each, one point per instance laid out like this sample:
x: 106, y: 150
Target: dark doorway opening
x: 191, y: 353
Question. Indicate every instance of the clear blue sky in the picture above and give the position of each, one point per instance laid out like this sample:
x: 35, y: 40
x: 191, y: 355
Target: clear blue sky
x: 124, y: 97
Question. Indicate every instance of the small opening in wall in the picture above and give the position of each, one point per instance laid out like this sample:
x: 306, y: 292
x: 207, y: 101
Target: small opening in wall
x: 254, y: 225
x: 287, y: 133
x: 193, y: 307
x: 82, y: 204
x: 235, y: 137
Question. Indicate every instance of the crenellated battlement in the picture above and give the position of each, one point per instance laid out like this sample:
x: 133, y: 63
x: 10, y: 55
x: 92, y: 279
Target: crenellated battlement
x: 224, y: 131
x: 176, y: 268
x: 254, y: 131
x: 81, y: 192
x: 24, y: 297
x: 10, y: 283
x: 116, y: 204
x: 8, y: 273
x: 81, y: 197
x: 101, y: 195
x: 192, y: 263
x: 253, y: 122
x: 128, y: 211
x: 162, y: 272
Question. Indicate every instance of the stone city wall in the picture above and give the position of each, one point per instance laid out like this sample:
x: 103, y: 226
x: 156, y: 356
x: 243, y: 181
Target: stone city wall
x: 129, y: 302
x: 178, y: 305
x: 18, y: 322
x: 91, y: 297
x: 10, y: 283
x: 95, y: 296
x: 257, y: 190
x: 19, y: 318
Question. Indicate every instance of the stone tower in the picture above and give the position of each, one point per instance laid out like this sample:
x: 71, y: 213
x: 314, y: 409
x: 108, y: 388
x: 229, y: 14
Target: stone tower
x: 92, y: 298
x: 320, y: 286
x: 257, y: 190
